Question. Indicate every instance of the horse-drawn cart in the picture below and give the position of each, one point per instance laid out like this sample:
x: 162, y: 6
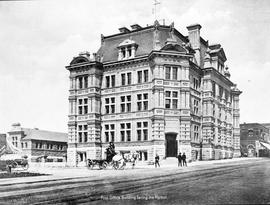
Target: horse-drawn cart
x: 7, y: 165
x: 117, y: 161
x: 102, y: 164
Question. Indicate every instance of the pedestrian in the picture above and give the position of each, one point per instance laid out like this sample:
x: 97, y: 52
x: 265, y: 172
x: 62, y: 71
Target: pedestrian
x: 179, y: 157
x: 184, y: 159
x: 157, y: 161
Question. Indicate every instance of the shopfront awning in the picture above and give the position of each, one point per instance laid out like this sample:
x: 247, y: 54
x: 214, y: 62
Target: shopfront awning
x: 266, y: 145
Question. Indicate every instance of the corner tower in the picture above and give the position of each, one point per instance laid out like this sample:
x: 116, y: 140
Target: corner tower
x: 84, y: 125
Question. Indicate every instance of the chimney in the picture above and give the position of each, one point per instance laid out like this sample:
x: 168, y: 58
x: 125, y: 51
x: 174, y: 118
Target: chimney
x: 124, y: 30
x: 194, y: 39
x: 135, y: 27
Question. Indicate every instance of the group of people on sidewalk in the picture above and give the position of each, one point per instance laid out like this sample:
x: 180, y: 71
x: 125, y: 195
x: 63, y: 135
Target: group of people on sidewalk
x: 181, y: 160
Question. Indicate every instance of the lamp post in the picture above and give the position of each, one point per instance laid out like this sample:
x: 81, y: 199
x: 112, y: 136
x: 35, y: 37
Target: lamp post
x: 201, y: 149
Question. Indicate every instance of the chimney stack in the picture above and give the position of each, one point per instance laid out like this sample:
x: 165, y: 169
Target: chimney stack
x: 194, y: 39
x: 124, y: 30
x: 135, y: 27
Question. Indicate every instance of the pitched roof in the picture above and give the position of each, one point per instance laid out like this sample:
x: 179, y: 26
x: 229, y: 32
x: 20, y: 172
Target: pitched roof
x: 44, y: 135
x: 144, y: 38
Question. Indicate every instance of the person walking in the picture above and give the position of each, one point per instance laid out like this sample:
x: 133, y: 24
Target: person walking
x: 179, y: 157
x: 157, y: 161
x: 184, y: 159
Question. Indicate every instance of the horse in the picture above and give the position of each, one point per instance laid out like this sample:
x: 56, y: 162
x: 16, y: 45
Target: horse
x: 122, y: 159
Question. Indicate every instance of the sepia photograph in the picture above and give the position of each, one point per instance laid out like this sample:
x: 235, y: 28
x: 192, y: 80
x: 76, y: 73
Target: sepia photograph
x: 134, y: 102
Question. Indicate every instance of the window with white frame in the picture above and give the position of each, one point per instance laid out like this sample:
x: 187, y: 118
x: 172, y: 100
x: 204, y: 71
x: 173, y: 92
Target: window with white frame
x: 126, y: 78
x: 82, y: 133
x: 143, y: 76
x: 110, y: 105
x: 171, y: 99
x: 195, y: 107
x: 109, y: 133
x: 142, y: 131
x: 83, y: 82
x: 83, y: 106
x: 142, y: 101
x: 125, y: 104
x: 110, y: 81
x: 125, y: 132
x: 171, y: 73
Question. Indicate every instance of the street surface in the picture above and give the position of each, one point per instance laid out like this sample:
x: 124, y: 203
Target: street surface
x: 245, y: 181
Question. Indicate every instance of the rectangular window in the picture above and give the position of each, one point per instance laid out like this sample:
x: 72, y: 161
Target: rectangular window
x: 82, y: 133
x: 196, y: 83
x: 168, y: 73
x: 139, y: 76
x: 125, y: 131
x: 214, y: 88
x: 171, y: 99
x: 142, y: 101
x: 196, y: 132
x: 125, y: 104
x: 129, y: 78
x: 109, y: 132
x: 110, y: 105
x: 145, y: 73
x: 83, y: 106
x: 171, y: 73
x: 126, y: 79
x: 196, y: 107
x: 113, y: 80
x: 142, y: 131
x: 123, y: 79
x: 143, y: 76
x: 107, y: 81
x: 110, y: 81
x: 83, y: 82
x: 174, y: 72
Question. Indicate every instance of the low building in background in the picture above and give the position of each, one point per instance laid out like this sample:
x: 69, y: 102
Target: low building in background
x: 2, y: 143
x: 38, y: 145
x: 253, y: 137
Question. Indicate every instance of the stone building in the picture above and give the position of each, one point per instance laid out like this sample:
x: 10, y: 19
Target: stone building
x: 253, y: 136
x: 153, y: 90
x: 38, y: 145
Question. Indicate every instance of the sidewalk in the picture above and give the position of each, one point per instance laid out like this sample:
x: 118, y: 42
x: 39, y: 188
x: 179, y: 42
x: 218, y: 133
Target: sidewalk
x: 66, y: 173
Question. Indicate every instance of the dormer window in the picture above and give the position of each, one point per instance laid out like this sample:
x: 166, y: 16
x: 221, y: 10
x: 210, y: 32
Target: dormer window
x: 127, y: 49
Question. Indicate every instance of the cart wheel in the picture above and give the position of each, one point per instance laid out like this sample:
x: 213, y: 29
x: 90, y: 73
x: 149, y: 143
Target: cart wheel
x: 8, y: 168
x: 90, y: 165
x: 26, y: 166
x: 104, y: 165
x: 116, y: 165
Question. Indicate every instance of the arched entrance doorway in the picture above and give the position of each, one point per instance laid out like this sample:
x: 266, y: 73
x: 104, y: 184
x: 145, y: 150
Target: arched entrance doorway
x: 171, y: 145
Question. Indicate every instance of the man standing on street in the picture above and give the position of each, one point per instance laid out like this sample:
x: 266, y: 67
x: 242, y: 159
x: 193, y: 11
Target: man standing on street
x: 179, y: 157
x: 157, y: 161
x: 184, y: 159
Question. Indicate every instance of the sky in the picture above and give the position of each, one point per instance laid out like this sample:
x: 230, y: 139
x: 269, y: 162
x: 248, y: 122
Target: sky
x: 39, y: 38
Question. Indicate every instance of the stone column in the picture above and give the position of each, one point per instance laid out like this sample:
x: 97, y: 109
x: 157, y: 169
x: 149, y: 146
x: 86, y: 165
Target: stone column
x: 236, y: 128
x: 133, y: 51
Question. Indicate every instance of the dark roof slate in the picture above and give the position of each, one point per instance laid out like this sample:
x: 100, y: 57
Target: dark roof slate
x: 44, y: 135
x: 144, y: 38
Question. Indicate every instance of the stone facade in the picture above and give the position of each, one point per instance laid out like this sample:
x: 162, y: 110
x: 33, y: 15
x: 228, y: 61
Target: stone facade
x: 251, y: 136
x: 154, y: 91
